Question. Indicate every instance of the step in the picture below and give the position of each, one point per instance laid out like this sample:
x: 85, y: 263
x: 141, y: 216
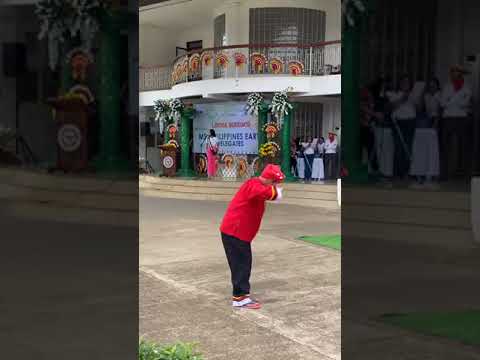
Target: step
x: 41, y: 180
x: 68, y: 191
x: 407, y: 198
x: 226, y: 198
x: 92, y: 200
x: 288, y: 192
x: 317, y: 188
x: 414, y: 234
x: 453, y: 218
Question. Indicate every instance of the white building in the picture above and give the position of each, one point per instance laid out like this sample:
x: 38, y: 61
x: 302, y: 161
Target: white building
x: 301, y: 34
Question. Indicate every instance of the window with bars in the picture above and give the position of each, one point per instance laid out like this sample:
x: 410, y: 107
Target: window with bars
x: 286, y: 25
x: 219, y: 35
x: 397, y: 40
x: 308, y: 121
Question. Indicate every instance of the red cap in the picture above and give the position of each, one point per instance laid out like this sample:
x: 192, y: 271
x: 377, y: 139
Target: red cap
x: 273, y: 172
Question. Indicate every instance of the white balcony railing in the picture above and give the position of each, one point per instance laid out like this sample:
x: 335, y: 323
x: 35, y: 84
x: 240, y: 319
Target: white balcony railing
x: 245, y: 60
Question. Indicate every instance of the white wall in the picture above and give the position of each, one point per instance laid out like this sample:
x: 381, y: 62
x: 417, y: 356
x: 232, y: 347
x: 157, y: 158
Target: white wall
x: 156, y: 46
x: 204, y: 33
x: 332, y: 115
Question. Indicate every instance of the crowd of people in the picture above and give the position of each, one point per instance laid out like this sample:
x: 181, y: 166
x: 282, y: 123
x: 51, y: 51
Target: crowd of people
x: 315, y: 159
x: 418, y: 131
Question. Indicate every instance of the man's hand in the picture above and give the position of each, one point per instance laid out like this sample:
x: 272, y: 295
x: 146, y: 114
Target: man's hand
x: 279, y: 194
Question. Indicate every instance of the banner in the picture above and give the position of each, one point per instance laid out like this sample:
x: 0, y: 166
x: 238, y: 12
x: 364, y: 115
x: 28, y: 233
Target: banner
x: 236, y: 131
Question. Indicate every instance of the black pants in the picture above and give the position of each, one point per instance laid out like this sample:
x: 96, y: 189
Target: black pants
x: 455, y: 147
x: 331, y: 166
x: 308, y: 166
x: 293, y: 163
x: 239, y: 256
x: 367, y: 140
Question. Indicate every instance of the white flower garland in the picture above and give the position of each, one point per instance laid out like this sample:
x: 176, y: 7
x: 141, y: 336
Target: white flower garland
x: 280, y: 106
x: 254, y: 101
x: 62, y: 18
x: 350, y: 8
x: 167, y: 109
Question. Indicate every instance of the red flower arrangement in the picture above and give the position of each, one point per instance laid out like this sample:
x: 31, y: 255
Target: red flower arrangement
x: 258, y: 61
x: 276, y: 66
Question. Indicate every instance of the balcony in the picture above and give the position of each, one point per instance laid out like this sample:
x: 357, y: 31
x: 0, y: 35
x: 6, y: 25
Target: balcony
x: 242, y: 61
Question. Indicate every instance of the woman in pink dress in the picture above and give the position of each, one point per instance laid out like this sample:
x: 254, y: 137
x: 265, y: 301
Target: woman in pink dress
x: 212, y: 151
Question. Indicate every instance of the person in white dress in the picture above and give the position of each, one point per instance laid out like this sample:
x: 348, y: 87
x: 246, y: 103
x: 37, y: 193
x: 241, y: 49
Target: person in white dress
x: 425, y: 164
x: 318, y: 168
x: 404, y: 120
x: 455, y: 125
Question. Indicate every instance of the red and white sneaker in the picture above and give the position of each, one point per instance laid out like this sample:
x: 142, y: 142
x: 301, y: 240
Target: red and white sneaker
x: 245, y: 302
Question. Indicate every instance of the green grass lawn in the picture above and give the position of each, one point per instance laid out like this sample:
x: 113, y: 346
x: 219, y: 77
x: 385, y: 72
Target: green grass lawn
x: 330, y: 241
x: 463, y: 326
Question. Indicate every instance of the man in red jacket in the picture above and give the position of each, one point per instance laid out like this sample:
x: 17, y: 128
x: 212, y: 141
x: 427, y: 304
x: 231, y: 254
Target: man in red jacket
x: 240, y: 225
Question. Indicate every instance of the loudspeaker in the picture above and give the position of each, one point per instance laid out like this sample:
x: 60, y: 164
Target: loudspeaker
x: 145, y: 128
x: 14, y: 59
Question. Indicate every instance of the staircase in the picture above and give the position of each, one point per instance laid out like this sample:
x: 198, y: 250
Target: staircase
x: 427, y: 217
x: 313, y: 195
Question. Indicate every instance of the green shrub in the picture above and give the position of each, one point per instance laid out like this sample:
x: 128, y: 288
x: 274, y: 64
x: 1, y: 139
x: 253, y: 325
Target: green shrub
x: 148, y: 350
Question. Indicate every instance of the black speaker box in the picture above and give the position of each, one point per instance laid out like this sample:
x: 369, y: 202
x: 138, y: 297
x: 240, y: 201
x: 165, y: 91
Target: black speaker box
x: 144, y: 128
x: 14, y: 59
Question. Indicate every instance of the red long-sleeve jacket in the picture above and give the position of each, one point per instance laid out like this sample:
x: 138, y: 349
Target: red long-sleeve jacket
x: 245, y: 212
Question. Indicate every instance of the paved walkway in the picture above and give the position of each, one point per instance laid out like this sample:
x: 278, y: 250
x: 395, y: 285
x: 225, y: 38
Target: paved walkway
x: 185, y: 289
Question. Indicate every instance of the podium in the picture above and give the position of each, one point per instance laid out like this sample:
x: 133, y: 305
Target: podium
x: 168, y: 159
x: 71, y: 134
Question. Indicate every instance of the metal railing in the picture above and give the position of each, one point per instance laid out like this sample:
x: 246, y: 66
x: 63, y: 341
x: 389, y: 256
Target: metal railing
x: 245, y: 60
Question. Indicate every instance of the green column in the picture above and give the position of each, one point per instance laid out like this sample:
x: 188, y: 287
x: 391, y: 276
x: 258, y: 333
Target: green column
x: 262, y: 120
x: 185, y: 137
x: 109, y: 157
x: 350, y: 151
x: 66, y: 81
x: 285, y: 146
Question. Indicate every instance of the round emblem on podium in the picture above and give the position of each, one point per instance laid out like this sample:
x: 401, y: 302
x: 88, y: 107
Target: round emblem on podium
x: 168, y: 162
x: 69, y: 137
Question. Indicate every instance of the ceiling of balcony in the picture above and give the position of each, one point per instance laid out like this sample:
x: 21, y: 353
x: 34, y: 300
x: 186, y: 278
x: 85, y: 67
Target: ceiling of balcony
x: 177, y: 14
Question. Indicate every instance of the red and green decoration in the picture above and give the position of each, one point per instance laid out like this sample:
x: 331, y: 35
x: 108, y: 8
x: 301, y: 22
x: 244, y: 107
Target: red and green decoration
x: 269, y: 150
x: 240, y: 60
x: 276, y: 66
x: 222, y: 60
x: 206, y: 58
x: 295, y: 68
x: 79, y: 59
x: 271, y: 129
x: 194, y: 63
x: 259, y: 61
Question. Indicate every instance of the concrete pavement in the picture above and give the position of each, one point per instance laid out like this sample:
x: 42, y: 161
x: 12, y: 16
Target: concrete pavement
x: 185, y: 288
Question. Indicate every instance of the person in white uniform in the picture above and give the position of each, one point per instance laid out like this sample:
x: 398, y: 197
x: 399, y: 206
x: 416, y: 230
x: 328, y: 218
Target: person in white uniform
x: 309, y: 153
x: 455, y: 125
x: 404, y: 118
